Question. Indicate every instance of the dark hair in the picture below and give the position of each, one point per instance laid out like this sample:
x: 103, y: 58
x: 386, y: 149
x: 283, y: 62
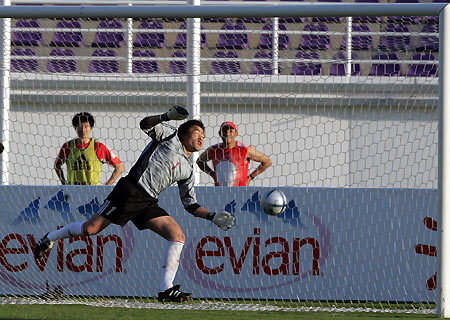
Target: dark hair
x: 1, y: 148
x: 183, y: 129
x: 81, y: 117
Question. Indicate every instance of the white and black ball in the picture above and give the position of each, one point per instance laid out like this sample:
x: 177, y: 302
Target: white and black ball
x: 274, y: 202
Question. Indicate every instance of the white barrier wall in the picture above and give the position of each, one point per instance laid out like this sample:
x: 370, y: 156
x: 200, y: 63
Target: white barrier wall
x: 350, y: 244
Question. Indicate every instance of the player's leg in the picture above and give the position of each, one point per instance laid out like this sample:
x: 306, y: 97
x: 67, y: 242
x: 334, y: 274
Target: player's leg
x: 94, y: 225
x: 109, y: 212
x: 169, y: 229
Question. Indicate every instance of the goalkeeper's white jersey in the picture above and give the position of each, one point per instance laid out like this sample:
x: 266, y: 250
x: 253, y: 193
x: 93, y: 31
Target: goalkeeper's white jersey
x: 164, y: 162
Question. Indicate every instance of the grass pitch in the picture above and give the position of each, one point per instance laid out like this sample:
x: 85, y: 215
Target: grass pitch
x: 84, y: 312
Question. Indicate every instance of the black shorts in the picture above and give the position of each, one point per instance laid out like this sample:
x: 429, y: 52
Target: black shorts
x: 129, y: 201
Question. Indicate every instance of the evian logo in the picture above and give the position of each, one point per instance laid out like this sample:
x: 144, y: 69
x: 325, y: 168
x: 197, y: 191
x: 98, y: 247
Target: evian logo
x: 85, y: 255
x: 429, y: 250
x: 19, y: 248
x: 257, y: 254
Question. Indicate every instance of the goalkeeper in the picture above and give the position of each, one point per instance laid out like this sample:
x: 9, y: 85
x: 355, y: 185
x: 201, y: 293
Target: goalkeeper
x: 135, y: 197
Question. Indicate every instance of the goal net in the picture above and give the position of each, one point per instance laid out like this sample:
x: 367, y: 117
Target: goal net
x: 346, y: 108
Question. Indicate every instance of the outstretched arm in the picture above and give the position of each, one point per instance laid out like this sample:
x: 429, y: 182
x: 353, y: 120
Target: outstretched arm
x: 222, y: 219
x: 174, y: 113
x: 257, y: 156
x: 202, y: 163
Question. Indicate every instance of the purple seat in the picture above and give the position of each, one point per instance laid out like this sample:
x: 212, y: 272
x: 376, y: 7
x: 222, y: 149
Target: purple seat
x: 150, y: 39
x: 422, y: 70
x: 435, y: 19
x: 62, y: 66
x: 214, y: 20
x: 250, y: 19
x: 292, y: 19
x: 178, y: 67
x: 172, y: 19
x: 181, y: 39
x: 24, y: 65
x: 225, y: 67
x: 359, y: 42
x: 385, y: 69
x: 263, y: 67
x: 142, y: 66
x: 27, y: 38
x: 395, y: 43
x: 102, y: 65
x: 306, y: 68
x: 109, y: 39
x: 266, y: 39
x: 68, y: 38
x: 367, y: 19
x: 315, y: 41
x: 405, y: 19
x: 236, y: 41
x: 339, y: 69
x: 429, y: 43
x: 328, y: 19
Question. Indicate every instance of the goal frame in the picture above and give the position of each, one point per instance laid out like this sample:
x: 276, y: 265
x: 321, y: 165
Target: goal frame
x: 194, y: 11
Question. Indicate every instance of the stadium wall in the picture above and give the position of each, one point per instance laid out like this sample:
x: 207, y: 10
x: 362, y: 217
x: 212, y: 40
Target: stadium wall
x: 342, y: 244
x: 333, y: 132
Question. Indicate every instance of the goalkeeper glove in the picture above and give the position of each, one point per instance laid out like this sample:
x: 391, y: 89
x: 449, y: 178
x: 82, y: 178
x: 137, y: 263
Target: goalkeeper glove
x: 175, y: 113
x: 222, y: 219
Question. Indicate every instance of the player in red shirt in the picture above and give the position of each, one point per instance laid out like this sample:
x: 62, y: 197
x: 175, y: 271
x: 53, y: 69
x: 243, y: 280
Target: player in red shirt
x: 83, y: 124
x: 231, y: 159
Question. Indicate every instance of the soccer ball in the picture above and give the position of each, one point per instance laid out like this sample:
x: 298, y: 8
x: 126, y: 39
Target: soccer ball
x: 274, y: 202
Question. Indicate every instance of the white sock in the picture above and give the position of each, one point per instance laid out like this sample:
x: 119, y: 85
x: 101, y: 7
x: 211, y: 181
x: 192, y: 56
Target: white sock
x: 171, y: 261
x: 71, y: 230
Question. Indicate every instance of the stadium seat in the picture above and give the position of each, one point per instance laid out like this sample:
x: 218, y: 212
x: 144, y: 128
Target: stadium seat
x: 214, y: 20
x: 23, y: 65
x: 226, y: 67
x: 339, y: 69
x: 292, y: 19
x: 395, y: 43
x: 62, y: 66
x: 68, y: 38
x: 265, y: 40
x: 109, y: 39
x: 178, y: 67
x: 405, y: 19
x: 385, y: 69
x: 150, y: 39
x: 99, y: 65
x: 142, y: 66
x: 263, y: 67
x: 429, y: 42
x: 315, y: 41
x: 359, y: 42
x: 306, y: 68
x: 367, y: 19
x: 435, y: 19
x: 172, y: 19
x: 234, y: 41
x: 180, y: 42
x: 328, y: 19
x: 27, y: 38
x: 422, y: 70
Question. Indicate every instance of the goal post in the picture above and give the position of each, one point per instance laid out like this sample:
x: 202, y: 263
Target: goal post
x: 297, y: 105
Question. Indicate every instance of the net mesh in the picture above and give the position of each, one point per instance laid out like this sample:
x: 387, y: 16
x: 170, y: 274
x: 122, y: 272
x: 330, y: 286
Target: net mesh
x: 346, y: 110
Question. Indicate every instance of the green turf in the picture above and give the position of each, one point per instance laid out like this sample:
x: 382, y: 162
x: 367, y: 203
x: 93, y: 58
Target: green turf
x: 83, y: 312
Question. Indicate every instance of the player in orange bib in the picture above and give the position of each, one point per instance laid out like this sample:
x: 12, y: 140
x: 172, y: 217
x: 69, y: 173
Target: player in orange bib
x: 231, y: 159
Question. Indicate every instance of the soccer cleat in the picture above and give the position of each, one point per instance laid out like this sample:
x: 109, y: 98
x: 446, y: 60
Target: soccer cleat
x: 173, y: 295
x: 42, y: 247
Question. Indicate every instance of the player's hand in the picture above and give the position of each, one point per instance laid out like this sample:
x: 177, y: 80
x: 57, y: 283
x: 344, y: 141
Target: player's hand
x: 177, y: 113
x: 223, y: 220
